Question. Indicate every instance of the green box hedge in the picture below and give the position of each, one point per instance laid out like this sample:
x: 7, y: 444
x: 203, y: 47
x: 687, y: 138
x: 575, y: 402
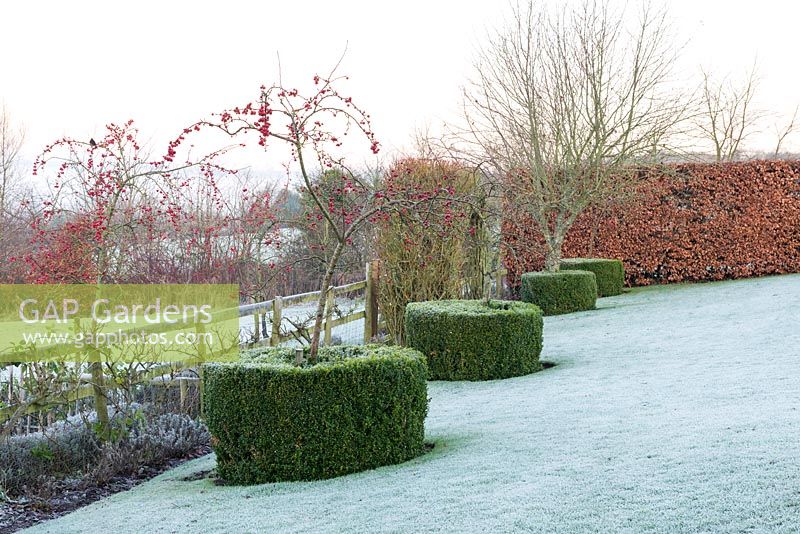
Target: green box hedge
x: 610, y: 274
x: 467, y: 340
x: 358, y: 408
x: 560, y: 292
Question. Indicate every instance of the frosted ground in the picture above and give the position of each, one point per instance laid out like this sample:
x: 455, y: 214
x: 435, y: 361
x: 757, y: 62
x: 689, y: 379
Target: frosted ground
x: 671, y: 409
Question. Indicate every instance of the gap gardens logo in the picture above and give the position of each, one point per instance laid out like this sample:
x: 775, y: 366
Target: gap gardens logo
x: 119, y: 323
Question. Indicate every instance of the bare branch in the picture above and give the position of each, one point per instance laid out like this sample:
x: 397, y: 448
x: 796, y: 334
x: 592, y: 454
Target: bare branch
x: 565, y: 103
x: 728, y: 117
x: 786, y: 131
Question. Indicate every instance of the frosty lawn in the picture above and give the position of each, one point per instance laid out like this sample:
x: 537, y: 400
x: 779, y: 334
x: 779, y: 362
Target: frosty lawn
x: 671, y: 409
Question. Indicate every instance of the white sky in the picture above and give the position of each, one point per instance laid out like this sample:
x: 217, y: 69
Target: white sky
x: 70, y: 67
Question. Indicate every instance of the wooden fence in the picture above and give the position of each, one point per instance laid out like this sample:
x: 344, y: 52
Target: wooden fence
x: 274, y: 336
x: 270, y: 311
x: 263, y: 313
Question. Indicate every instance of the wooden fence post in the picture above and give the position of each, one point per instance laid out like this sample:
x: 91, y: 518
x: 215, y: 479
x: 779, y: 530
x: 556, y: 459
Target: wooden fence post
x: 371, y: 302
x: 10, y: 372
x: 202, y: 354
x: 184, y: 390
x: 329, y: 304
x: 257, y: 324
x: 277, y: 313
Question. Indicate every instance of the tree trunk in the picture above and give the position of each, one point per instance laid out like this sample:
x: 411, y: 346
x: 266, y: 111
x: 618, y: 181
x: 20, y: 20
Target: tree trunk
x: 100, y: 399
x: 552, y: 258
x: 326, y: 283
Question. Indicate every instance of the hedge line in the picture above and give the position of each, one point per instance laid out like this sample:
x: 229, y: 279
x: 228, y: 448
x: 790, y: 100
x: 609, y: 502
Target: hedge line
x: 468, y: 340
x: 359, y: 408
x: 688, y: 222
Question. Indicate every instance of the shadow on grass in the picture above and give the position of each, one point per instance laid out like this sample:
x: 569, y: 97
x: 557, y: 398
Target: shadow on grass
x: 200, y: 475
x: 606, y: 305
x: 436, y: 446
x: 433, y: 447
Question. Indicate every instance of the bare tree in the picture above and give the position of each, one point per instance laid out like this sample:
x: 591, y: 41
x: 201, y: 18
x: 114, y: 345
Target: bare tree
x: 783, y: 132
x: 14, y: 215
x: 11, y: 140
x: 565, y: 103
x: 728, y: 116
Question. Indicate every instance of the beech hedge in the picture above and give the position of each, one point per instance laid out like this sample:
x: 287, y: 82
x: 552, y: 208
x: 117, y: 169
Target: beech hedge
x: 609, y: 274
x: 560, y: 292
x: 358, y: 408
x: 470, y: 340
x: 686, y: 222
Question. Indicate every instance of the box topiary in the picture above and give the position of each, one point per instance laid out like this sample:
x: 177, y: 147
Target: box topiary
x: 470, y: 340
x: 610, y: 274
x: 560, y: 292
x: 358, y: 408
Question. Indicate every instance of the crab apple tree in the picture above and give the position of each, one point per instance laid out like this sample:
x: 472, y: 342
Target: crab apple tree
x: 315, y: 126
x: 115, y: 196
x: 105, y: 198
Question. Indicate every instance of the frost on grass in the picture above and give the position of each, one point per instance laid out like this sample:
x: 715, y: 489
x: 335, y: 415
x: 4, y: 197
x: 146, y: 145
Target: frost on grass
x: 671, y: 409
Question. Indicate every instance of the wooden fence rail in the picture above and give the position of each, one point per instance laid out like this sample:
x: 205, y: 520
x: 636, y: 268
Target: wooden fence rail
x: 260, y: 312
x: 272, y: 311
